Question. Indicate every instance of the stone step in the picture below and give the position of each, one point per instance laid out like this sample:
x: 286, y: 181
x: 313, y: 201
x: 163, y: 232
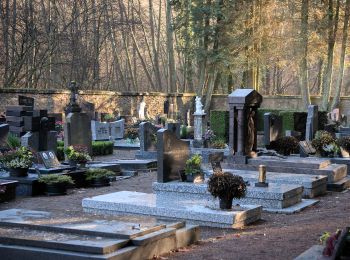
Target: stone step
x: 341, y: 185
x: 291, y: 162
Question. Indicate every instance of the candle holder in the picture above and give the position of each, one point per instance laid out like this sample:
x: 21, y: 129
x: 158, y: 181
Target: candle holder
x: 262, y: 177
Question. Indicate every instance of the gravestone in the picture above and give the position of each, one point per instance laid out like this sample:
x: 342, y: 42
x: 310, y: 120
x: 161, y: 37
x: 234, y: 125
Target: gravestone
x: 117, y: 129
x: 335, y: 115
x: 293, y: 133
x: 166, y: 107
x: 306, y: 148
x: 272, y: 128
x: 172, y: 156
x: 15, y: 120
x: 311, y: 122
x: 4, y: 130
x: 198, y: 124
x: 26, y: 101
x: 100, y: 131
x: 243, y: 105
x: 148, y: 141
x: 171, y: 113
x: 49, y: 159
x: 77, y: 128
x: 174, y: 127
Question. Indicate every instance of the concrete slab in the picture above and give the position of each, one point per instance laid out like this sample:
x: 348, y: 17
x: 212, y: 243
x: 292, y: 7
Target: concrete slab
x: 193, y: 211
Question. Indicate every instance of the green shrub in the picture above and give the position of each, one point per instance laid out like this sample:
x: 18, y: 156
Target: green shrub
x: 183, y: 131
x: 285, y: 145
x: 97, y: 173
x: 13, y: 141
x: 102, y: 148
x: 60, y: 144
x: 218, y: 143
x: 60, y: 153
x: 219, y: 123
x: 55, y: 179
x: 322, y: 140
x: 193, y: 165
x: 287, y: 120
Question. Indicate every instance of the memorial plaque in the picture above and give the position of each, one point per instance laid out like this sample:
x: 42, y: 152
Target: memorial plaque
x: 49, y: 159
x: 172, y: 156
x: 25, y: 101
x: 100, y: 131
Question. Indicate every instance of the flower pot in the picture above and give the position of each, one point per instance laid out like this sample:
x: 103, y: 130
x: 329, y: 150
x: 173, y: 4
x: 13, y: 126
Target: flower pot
x: 72, y: 163
x: 18, y: 172
x: 225, y: 202
x: 100, y: 182
x: 344, y: 153
x: 198, y: 177
x: 56, y: 189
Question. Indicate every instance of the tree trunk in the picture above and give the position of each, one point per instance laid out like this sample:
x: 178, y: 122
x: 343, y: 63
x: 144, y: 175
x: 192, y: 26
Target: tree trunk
x: 338, y: 84
x: 303, y: 70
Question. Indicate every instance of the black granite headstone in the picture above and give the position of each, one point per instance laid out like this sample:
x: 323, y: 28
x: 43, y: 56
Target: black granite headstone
x: 172, y: 156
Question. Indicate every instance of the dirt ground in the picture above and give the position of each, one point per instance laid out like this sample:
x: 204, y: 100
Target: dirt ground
x: 276, y: 236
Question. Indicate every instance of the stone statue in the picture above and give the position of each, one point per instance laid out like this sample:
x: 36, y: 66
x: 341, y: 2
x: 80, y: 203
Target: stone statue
x: 199, y: 106
x: 141, y: 111
x: 251, y: 133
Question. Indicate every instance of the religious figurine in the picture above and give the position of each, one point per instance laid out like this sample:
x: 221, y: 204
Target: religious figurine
x: 141, y: 111
x: 199, y: 106
x: 251, y: 133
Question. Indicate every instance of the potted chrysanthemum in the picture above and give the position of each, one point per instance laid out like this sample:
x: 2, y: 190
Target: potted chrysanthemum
x: 17, y: 161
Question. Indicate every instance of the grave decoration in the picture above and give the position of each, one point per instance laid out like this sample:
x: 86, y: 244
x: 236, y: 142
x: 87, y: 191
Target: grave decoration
x: 77, y: 154
x: 198, y: 123
x: 49, y: 159
x: 17, y: 161
x: 172, y: 155
x: 243, y: 105
x: 77, y: 127
x: 99, y: 177
x: 262, y: 177
x: 325, y: 144
x: 56, y: 184
x: 141, y: 109
x: 193, y: 170
x: 226, y: 187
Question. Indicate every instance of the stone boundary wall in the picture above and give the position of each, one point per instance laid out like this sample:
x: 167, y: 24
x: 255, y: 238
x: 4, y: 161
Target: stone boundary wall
x: 126, y: 102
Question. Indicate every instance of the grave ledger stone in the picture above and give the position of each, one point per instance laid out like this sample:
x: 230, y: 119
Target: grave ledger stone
x: 243, y: 105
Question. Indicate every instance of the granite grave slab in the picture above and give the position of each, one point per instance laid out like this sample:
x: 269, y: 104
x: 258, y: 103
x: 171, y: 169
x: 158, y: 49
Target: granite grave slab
x: 193, y: 211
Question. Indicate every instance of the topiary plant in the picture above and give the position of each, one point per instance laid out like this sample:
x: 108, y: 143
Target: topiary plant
x: 51, y: 179
x: 226, y: 187
x: 93, y: 174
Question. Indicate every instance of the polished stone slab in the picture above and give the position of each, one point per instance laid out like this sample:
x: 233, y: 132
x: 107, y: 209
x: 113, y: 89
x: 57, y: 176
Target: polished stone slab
x: 26, y: 234
x: 314, y: 185
x: 277, y: 196
x: 193, y: 211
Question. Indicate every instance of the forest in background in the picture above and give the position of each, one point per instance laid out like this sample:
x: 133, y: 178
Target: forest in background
x: 203, y: 46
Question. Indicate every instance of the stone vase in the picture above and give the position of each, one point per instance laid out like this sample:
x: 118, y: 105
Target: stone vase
x: 18, y: 172
x: 226, y: 202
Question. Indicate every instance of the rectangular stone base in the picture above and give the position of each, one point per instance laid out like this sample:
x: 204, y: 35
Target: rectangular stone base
x: 314, y: 185
x: 23, y: 236
x: 277, y: 196
x: 193, y: 211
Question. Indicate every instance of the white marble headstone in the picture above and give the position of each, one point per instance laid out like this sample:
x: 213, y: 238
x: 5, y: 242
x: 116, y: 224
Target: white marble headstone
x: 99, y: 130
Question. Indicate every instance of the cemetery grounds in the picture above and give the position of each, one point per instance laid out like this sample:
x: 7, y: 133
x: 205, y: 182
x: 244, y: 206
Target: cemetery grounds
x: 276, y: 236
